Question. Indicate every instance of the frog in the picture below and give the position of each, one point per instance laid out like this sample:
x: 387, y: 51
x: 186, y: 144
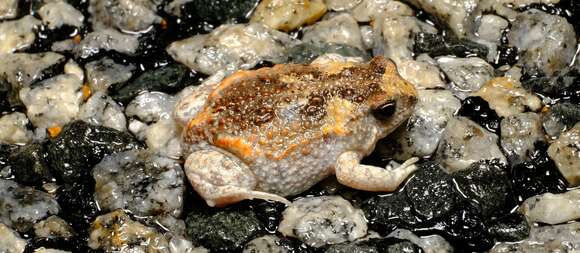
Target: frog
x: 276, y: 131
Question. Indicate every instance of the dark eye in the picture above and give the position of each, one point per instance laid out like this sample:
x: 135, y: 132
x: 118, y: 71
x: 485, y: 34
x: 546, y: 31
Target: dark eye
x: 385, y: 110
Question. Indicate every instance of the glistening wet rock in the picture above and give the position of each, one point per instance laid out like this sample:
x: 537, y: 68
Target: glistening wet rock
x: 560, y: 117
x: 510, y: 228
x: 487, y: 186
x: 168, y: 79
x: 222, y: 229
x: 21, y: 207
x: 537, y: 176
x: 439, y: 45
x: 387, y: 213
x: 431, y: 191
x: 477, y: 109
x: 305, y: 53
x: 218, y: 12
x: 80, y: 146
x: 29, y: 165
x: 319, y: 221
x: 79, y: 207
x: 140, y: 181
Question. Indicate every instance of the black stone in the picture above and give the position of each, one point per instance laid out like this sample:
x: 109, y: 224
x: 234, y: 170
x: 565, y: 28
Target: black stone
x: 5, y: 152
x: 383, y: 245
x: 564, y: 81
x: 168, y: 79
x: 45, y: 36
x: 478, y: 110
x: 506, y: 55
x: 78, y: 206
x: 268, y: 212
x: 464, y: 228
x: 431, y: 191
x: 29, y: 165
x: 487, y: 186
x: 223, y: 229
x: 76, y: 244
x: 537, y: 176
x: 510, y: 228
x: 387, y: 213
x: 305, y: 53
x: 80, y: 146
x: 220, y: 11
x: 566, y: 113
x: 4, y: 96
x: 440, y: 45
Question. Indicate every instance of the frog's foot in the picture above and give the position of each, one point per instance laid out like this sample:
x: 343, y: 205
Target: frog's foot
x: 222, y: 180
x: 351, y: 173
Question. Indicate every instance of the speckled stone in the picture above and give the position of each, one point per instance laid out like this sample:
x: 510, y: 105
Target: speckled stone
x: 559, y: 238
x: 565, y: 152
x: 507, y: 97
x: 53, y: 227
x: 21, y: 207
x: 232, y: 47
x: 11, y: 241
x: 425, y: 127
x: 17, y: 34
x: 340, y: 29
x: 54, y: 102
x: 14, y: 129
x: 318, y: 221
x: 139, y: 181
x: 105, y: 72
x: 547, y: 42
x: 552, y: 208
x: 464, y: 142
x: 519, y: 133
x: 288, y: 15
x: 116, y: 231
x: 466, y: 74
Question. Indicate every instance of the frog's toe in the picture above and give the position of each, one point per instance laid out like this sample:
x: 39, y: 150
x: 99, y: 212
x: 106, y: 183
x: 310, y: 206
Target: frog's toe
x: 351, y: 173
x: 222, y: 180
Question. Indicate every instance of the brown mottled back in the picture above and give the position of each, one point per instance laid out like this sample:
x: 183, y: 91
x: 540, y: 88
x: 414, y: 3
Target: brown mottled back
x: 273, y: 112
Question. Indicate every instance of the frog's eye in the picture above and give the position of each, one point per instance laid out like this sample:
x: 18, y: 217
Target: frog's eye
x: 385, y: 111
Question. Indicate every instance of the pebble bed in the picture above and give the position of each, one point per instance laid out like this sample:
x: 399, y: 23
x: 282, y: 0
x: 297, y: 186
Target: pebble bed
x: 91, y: 157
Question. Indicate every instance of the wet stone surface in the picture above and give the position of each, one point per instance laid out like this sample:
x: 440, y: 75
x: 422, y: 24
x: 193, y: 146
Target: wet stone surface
x: 21, y: 206
x: 487, y: 185
x: 431, y: 192
x: 223, y: 230
x: 80, y: 146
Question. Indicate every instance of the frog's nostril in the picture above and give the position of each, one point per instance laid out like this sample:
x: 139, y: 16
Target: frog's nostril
x: 385, y: 110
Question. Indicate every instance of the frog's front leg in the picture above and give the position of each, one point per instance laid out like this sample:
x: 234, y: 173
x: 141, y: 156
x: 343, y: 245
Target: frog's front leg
x: 222, y: 180
x: 351, y: 173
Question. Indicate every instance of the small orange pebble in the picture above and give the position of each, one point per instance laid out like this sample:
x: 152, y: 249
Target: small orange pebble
x: 53, y: 132
x: 86, y: 92
x: 77, y: 39
x: 545, y: 109
x: 163, y: 24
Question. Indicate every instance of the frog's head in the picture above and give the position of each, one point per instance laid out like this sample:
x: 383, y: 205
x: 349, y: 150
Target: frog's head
x: 393, y: 104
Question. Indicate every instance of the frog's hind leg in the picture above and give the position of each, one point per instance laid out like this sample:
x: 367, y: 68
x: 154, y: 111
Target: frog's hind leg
x: 222, y: 180
x: 351, y: 173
